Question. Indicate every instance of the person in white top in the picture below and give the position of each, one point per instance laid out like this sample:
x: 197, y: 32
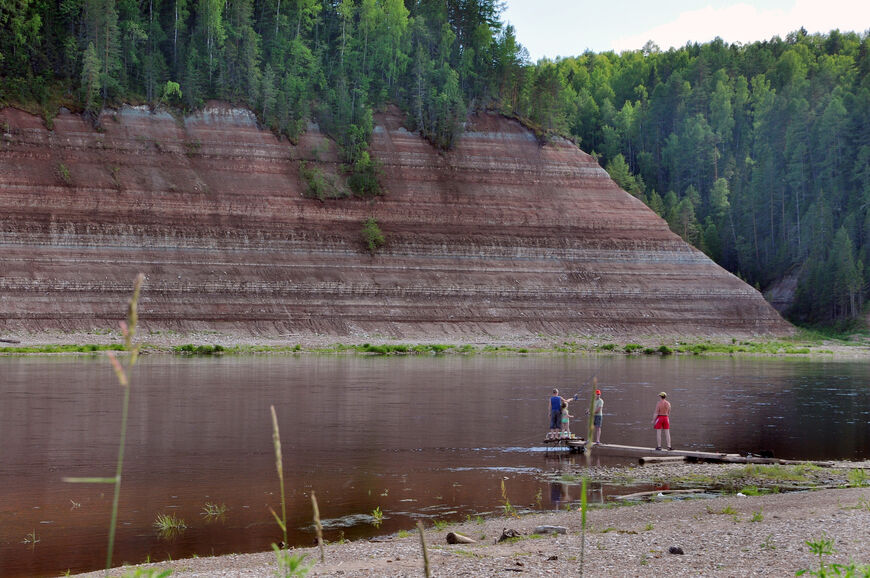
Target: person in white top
x: 597, y: 415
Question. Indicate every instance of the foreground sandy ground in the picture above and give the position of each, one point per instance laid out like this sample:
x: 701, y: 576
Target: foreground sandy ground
x: 726, y: 536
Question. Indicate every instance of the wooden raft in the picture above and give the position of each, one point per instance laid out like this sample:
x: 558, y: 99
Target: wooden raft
x: 573, y: 444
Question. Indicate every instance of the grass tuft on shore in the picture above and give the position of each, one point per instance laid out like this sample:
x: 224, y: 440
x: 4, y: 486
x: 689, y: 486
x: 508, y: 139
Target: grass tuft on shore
x: 774, y: 347
x: 190, y: 349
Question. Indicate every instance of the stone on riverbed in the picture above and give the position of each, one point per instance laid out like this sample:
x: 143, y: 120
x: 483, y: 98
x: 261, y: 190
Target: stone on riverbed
x: 551, y: 530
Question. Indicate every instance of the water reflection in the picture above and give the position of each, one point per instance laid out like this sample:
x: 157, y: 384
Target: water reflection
x: 419, y: 438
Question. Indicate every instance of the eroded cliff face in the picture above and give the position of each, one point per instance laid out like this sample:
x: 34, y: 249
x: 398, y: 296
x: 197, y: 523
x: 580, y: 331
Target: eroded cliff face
x: 499, y: 237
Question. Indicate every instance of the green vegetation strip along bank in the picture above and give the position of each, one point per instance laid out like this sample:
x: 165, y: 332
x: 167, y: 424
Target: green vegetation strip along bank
x: 774, y: 347
x: 62, y: 348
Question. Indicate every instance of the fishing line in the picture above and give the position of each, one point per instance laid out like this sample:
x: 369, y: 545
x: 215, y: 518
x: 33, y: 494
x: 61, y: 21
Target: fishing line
x: 589, y: 379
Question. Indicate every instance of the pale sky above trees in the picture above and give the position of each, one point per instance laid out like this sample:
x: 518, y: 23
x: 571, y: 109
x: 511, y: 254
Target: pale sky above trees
x: 551, y: 28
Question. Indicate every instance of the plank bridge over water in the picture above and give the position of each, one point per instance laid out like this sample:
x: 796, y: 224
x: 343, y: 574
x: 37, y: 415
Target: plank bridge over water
x: 648, y: 455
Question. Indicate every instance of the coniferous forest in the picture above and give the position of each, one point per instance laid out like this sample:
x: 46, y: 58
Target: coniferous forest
x: 758, y: 154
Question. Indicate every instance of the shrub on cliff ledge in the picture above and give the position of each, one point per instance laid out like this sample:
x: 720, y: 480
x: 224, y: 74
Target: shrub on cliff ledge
x: 363, y: 181
x: 373, y: 238
x: 63, y: 174
x: 317, y: 185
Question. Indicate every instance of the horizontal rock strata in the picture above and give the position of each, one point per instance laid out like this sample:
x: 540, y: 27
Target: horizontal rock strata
x: 501, y: 236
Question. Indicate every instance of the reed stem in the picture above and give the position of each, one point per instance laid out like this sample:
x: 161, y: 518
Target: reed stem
x: 425, y: 553
x: 279, y: 465
x: 125, y: 408
x: 128, y: 329
x: 318, y: 528
x: 584, y: 503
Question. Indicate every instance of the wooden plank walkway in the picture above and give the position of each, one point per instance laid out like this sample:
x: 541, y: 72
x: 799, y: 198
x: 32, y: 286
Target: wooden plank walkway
x: 640, y: 451
x: 649, y: 455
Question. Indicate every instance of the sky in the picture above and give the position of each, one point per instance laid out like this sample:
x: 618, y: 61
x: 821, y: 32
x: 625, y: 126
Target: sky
x: 552, y: 28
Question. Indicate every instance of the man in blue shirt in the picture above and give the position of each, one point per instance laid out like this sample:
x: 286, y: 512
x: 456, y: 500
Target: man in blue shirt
x: 556, y: 402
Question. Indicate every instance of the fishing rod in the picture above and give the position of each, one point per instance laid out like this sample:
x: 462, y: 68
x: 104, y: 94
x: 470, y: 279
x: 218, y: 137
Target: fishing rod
x: 585, y: 383
x: 589, y: 410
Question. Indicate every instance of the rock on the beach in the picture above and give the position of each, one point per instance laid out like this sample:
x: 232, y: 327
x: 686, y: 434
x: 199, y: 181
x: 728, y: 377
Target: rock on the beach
x: 506, y: 534
x: 551, y: 530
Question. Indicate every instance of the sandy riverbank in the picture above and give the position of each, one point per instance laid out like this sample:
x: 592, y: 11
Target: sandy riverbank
x: 734, y: 535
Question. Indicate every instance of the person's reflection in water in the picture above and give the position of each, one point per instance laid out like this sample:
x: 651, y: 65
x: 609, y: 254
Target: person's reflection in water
x: 555, y: 494
x: 560, y: 495
x: 592, y: 459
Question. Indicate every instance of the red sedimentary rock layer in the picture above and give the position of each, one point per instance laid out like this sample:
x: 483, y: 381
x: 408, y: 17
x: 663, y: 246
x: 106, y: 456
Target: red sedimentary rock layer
x: 499, y: 237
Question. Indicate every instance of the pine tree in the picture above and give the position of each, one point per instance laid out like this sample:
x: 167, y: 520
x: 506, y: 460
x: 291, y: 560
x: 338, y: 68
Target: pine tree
x: 241, y: 56
x: 210, y: 33
x: 101, y: 20
x: 846, y: 273
x: 90, y: 80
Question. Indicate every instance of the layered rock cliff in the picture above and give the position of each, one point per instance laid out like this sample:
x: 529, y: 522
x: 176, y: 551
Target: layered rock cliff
x: 500, y: 237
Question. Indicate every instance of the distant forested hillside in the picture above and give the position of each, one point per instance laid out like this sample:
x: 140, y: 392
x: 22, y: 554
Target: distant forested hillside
x: 758, y: 154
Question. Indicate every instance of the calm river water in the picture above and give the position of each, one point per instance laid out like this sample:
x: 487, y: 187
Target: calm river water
x: 419, y: 438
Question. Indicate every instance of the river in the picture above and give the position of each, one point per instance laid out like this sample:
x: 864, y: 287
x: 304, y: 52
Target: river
x: 417, y: 438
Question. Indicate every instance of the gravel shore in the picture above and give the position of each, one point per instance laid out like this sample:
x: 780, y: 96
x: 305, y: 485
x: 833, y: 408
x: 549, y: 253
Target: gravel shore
x: 732, y: 535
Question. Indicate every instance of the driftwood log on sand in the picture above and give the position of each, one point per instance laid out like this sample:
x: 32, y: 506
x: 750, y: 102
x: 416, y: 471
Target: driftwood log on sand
x: 457, y: 538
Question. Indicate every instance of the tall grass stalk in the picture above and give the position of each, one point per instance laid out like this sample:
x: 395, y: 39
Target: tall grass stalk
x: 584, y: 503
x: 425, y: 553
x: 122, y: 369
x: 318, y: 527
x: 288, y: 564
x: 279, y: 464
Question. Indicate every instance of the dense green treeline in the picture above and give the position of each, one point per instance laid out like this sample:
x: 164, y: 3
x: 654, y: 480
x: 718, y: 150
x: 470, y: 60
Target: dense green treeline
x: 759, y: 154
x: 291, y: 61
